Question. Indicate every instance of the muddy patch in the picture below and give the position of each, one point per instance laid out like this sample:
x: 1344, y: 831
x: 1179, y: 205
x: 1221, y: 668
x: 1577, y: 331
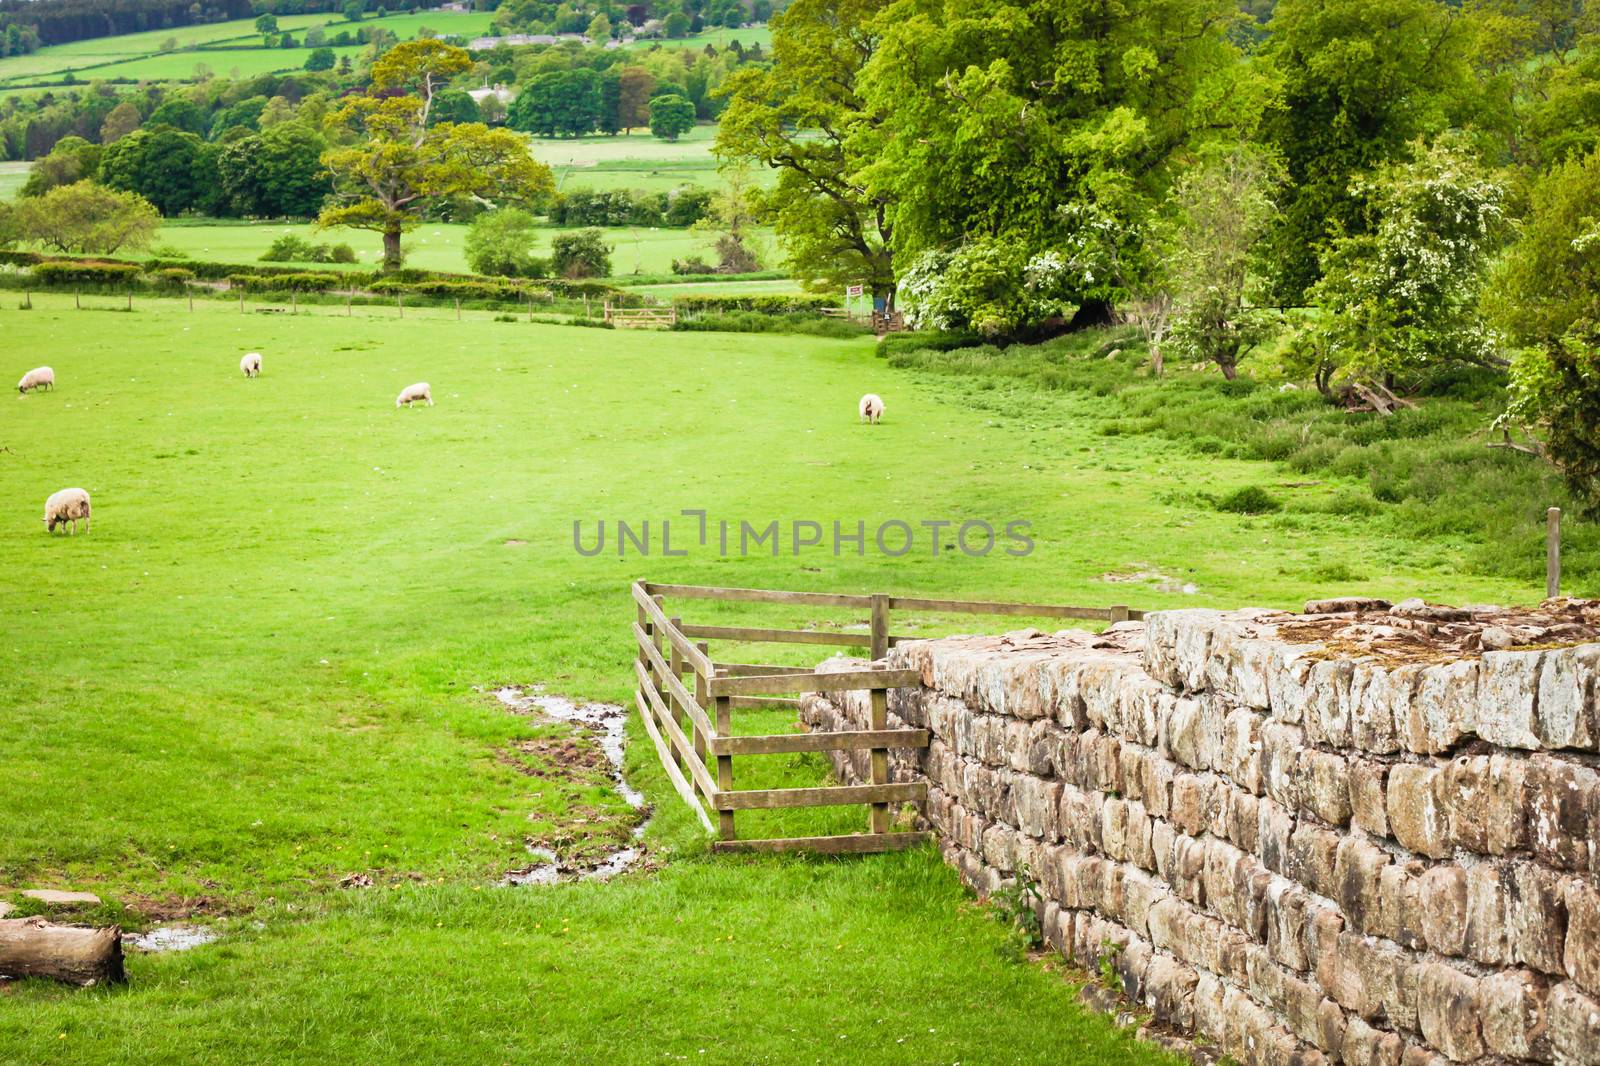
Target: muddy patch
x: 597, y: 747
x: 171, y: 938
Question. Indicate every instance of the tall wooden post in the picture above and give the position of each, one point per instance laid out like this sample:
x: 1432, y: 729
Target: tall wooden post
x: 77, y: 298
x: 350, y: 301
x: 458, y: 309
x: 724, y: 723
x: 241, y: 301
x: 1552, y: 553
x: 880, y: 625
x: 400, y: 304
x: 294, y: 302
x: 880, y: 758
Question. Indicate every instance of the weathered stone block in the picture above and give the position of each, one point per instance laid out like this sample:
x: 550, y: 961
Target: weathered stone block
x: 1400, y: 911
x: 1358, y: 867
x: 1537, y: 917
x: 1514, y: 1021
x: 1581, y: 956
x: 1288, y: 674
x: 1443, y: 894
x: 1327, y: 787
x: 1506, y: 695
x: 1328, y: 711
x: 1449, y: 1012
x: 1566, y: 711
x: 1369, y: 782
x: 1560, y: 803
x: 1444, y: 707
x: 1313, y: 854
x: 1574, y: 1025
x: 1365, y: 1046
x: 1416, y: 817
x: 1282, y: 749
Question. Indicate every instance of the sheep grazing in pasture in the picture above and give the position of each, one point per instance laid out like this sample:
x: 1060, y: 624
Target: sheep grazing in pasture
x: 41, y: 377
x: 251, y: 364
x: 414, y: 394
x: 871, y: 407
x: 68, y: 505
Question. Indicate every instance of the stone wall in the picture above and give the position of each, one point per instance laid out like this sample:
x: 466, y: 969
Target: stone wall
x: 1361, y: 835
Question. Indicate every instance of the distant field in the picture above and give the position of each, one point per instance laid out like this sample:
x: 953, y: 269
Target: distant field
x: 12, y: 175
x: 749, y: 37
x: 636, y: 161
x: 224, y: 47
x: 435, y: 246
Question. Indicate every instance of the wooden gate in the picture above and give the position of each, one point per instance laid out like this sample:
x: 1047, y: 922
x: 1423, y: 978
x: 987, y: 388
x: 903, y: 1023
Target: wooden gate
x: 687, y: 701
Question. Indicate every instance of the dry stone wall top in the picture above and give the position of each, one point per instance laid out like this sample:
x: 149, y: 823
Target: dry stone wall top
x: 1364, y: 834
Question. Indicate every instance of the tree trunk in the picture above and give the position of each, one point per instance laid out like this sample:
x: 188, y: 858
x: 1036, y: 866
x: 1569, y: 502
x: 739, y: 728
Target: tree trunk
x: 32, y: 947
x: 391, y: 250
x: 1092, y: 314
x: 1230, y: 369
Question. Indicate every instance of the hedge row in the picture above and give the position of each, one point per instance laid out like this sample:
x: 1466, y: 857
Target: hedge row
x: 761, y: 304
x: 302, y: 281
x: 85, y: 272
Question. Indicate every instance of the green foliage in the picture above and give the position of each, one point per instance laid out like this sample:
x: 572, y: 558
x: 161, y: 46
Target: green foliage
x: 322, y: 59
x: 1401, y: 296
x: 671, y: 116
x: 563, y: 103
x: 292, y: 248
x: 1252, y: 499
x: 303, y: 281
x: 1019, y: 904
x: 1361, y: 80
x: 1547, y: 299
x: 501, y: 242
x: 389, y: 180
x: 86, y: 218
x: 72, y: 159
x: 52, y: 272
x: 760, y: 303
x: 811, y: 325
x: 175, y: 171
x: 983, y: 286
x: 580, y: 254
x: 454, y: 105
x: 275, y: 174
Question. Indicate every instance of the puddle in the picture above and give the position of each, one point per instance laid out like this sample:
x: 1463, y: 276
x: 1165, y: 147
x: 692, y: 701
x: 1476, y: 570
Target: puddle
x: 171, y: 938
x: 607, y: 723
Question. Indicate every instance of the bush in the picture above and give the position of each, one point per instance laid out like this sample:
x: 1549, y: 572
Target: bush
x: 1252, y: 499
x: 172, y: 276
x: 84, y: 272
x: 501, y: 242
x: 462, y: 290
x: 892, y: 344
x: 582, y: 254
x: 755, y: 322
x: 760, y: 303
x: 300, y: 282
x: 694, y: 265
x: 292, y: 248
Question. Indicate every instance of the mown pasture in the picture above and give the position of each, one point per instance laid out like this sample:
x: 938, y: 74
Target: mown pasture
x: 263, y: 672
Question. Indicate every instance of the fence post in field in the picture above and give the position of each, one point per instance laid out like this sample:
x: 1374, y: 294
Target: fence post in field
x: 191, y: 301
x: 241, y: 301
x: 724, y: 727
x: 675, y: 664
x: 130, y: 299
x: 880, y: 758
x: 880, y: 627
x: 77, y: 298
x: 294, y: 302
x: 458, y: 309
x: 350, y: 301
x: 585, y: 305
x: 702, y: 696
x: 400, y: 304
x: 1552, y: 553
x: 27, y: 300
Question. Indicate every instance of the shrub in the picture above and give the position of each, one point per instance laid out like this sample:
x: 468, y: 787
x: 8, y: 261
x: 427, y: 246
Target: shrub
x: 292, y: 248
x: 893, y: 344
x: 1252, y: 499
x: 582, y: 254
x: 84, y: 272
x: 300, y: 282
x: 754, y: 322
x: 759, y: 303
x: 693, y: 265
x: 172, y: 276
x: 501, y: 242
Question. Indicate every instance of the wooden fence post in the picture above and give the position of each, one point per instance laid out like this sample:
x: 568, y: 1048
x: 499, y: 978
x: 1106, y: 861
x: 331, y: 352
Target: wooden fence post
x: 241, y: 301
x: 458, y: 309
x: 880, y: 759
x: 880, y: 626
x: 294, y: 302
x: 724, y: 724
x: 130, y: 299
x: 77, y: 298
x: 191, y: 301
x: 350, y: 301
x: 1552, y: 553
x: 400, y: 304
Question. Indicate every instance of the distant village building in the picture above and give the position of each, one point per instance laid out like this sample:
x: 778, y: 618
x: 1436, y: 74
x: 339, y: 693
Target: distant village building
x: 498, y: 92
x: 483, y: 44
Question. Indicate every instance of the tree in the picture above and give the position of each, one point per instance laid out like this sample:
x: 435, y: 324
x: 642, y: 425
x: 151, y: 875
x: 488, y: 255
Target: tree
x: 10, y: 230
x: 671, y: 116
x: 1028, y: 120
x: 599, y: 29
x: 320, y: 59
x: 72, y: 159
x: 278, y: 111
x: 181, y: 114
x: 633, y: 102
x: 501, y: 242
x: 455, y: 105
x: 1362, y: 79
x: 1547, y: 299
x: 405, y: 165
x: 175, y: 171
x: 88, y: 219
x: 353, y: 10
x: 564, y: 103
x: 805, y: 117
x: 123, y: 120
x: 316, y: 37
x: 267, y: 24
x: 580, y: 254
x: 276, y: 174
x: 1223, y: 209
x: 731, y: 218
x: 1401, y: 295
x: 677, y: 25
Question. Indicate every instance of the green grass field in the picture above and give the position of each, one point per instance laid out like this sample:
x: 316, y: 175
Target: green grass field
x: 12, y: 178
x: 637, y: 161
x: 433, y: 246
x: 223, y: 47
x: 721, y: 38
x: 260, y: 673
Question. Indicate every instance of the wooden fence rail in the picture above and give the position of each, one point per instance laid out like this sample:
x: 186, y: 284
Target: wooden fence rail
x: 690, y: 723
x: 640, y: 317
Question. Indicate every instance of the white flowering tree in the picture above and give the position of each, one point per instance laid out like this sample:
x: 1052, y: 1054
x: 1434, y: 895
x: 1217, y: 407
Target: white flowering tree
x: 1403, y: 297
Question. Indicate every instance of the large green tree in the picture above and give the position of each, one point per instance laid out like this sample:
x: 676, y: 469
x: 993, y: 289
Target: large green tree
x: 1051, y: 125
x: 805, y: 117
x: 1362, y: 80
x: 277, y: 173
x: 87, y: 219
x: 174, y: 170
x: 402, y: 165
x: 562, y: 103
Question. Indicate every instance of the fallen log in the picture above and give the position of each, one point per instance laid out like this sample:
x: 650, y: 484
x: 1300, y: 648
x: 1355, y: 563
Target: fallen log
x: 33, y: 947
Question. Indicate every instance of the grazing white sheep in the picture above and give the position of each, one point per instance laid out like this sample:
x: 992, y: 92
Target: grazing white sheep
x: 871, y: 407
x: 251, y: 364
x: 414, y: 394
x: 65, y: 506
x: 41, y: 377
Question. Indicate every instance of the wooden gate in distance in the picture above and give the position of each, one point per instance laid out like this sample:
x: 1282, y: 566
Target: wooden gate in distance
x: 690, y: 721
